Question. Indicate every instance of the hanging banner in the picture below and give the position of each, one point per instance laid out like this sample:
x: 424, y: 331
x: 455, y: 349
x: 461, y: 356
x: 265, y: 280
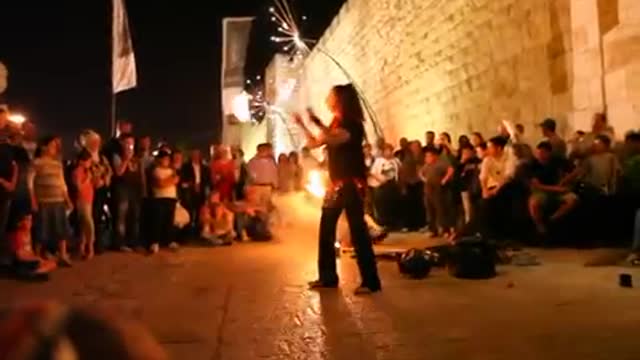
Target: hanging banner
x: 124, y: 74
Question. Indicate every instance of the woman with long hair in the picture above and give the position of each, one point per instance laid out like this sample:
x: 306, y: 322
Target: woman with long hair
x: 343, y: 139
x: 223, y: 173
x: 296, y: 171
x: 285, y: 174
x: 101, y: 175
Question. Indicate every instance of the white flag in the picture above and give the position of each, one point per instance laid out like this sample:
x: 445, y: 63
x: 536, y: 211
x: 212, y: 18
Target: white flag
x: 123, y: 72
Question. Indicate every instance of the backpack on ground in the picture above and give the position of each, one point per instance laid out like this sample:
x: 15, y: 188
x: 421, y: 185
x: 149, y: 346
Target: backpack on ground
x: 472, y: 258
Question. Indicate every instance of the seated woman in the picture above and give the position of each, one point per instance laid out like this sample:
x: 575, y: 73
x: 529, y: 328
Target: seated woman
x: 216, y: 221
x: 25, y: 261
x: 251, y: 219
x: 547, y: 192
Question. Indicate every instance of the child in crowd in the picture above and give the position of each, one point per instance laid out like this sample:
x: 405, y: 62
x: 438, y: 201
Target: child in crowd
x: 163, y: 204
x: 437, y: 174
x: 50, y: 198
x: 468, y: 172
x: 25, y: 261
x: 216, y: 221
x: 84, y: 203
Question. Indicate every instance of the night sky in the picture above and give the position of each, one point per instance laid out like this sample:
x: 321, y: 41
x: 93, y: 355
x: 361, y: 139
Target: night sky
x: 58, y: 56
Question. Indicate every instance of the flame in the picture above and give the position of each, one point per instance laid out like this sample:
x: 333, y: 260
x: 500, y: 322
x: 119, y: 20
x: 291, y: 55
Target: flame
x: 316, y: 183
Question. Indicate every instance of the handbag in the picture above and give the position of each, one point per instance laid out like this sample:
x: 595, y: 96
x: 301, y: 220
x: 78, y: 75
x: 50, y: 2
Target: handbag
x: 181, y: 217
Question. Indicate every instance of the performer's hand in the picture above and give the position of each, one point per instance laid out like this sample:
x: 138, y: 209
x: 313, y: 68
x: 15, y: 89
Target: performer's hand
x: 298, y: 119
x: 313, y: 117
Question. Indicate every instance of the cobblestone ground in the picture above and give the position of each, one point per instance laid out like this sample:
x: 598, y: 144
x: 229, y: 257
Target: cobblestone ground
x: 249, y: 301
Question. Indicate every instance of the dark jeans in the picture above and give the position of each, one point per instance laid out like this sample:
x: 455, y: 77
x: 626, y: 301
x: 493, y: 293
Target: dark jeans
x: 127, y: 224
x: 349, y: 199
x: 5, y: 207
x: 413, y: 207
x: 386, y: 202
x: 103, y: 219
x: 440, y: 207
x: 496, y: 217
x: 192, y: 202
x: 159, y: 223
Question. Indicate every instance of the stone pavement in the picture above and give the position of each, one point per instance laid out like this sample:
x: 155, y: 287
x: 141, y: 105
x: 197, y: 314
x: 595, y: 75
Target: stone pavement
x: 249, y: 301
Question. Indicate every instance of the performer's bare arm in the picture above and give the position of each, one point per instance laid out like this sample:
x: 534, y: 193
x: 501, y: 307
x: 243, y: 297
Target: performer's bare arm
x: 331, y: 137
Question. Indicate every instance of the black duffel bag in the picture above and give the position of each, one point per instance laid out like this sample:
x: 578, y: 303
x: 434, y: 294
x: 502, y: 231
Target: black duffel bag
x: 472, y: 258
x: 415, y: 264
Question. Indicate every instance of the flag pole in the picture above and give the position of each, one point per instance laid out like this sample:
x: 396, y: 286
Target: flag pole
x: 112, y: 95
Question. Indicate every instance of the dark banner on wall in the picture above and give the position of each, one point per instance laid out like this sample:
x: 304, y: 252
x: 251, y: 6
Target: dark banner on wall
x: 235, y: 40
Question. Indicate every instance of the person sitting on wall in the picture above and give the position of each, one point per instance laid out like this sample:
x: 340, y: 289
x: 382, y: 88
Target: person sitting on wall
x: 546, y: 175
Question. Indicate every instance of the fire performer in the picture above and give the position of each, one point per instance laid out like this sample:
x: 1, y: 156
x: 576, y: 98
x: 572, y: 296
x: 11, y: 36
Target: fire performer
x: 348, y: 174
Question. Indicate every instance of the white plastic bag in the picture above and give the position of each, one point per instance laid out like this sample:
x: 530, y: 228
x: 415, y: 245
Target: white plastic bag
x: 181, y: 217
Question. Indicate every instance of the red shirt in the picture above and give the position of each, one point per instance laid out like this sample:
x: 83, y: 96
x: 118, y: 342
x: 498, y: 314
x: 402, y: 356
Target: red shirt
x: 82, y: 178
x: 224, y: 178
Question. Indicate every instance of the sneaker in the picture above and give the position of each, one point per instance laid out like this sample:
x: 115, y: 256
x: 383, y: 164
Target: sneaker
x: 125, y: 249
x: 317, y: 284
x: 154, y: 249
x: 174, y: 246
x: 65, y: 261
x: 633, y: 259
x: 215, y: 242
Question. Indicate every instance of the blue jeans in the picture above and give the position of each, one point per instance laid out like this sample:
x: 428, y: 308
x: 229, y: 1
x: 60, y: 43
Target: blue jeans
x: 636, y: 233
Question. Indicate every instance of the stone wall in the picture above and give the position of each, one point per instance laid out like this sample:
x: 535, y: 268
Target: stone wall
x: 464, y: 65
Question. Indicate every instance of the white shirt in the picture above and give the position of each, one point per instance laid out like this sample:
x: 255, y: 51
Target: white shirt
x: 496, y: 172
x: 170, y: 192
x: 389, y: 169
x: 263, y: 171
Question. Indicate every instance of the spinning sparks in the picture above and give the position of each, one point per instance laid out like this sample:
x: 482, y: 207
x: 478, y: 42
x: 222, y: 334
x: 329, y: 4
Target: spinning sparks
x: 289, y: 32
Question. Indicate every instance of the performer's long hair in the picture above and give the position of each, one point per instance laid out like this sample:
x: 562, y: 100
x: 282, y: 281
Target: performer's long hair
x: 344, y: 102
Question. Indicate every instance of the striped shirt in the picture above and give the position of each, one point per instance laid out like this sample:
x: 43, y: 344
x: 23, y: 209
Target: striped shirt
x: 46, y: 181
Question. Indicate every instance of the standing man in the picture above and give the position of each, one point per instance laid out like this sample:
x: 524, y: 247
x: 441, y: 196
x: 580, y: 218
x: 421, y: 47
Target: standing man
x: 195, y: 183
x: 343, y: 139
x: 558, y: 145
x: 112, y: 147
x: 128, y: 190
x: 430, y: 140
x: 263, y: 174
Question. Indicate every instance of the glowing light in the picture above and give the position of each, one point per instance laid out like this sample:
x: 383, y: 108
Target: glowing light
x: 240, y: 107
x: 17, y: 118
x: 285, y: 90
x: 316, y: 184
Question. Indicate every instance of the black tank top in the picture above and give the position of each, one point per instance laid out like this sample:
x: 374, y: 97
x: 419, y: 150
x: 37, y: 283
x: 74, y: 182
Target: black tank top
x: 346, y: 161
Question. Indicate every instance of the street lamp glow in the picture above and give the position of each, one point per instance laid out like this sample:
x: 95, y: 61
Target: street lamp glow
x: 17, y: 118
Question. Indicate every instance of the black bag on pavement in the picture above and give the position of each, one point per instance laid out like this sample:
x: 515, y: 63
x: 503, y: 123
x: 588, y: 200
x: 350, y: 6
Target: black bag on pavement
x: 472, y: 258
x: 415, y: 264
